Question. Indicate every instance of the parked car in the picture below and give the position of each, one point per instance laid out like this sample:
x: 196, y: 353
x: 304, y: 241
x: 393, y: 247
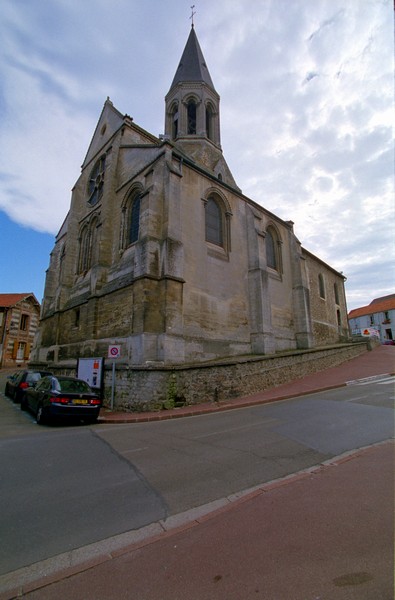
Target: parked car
x: 19, y: 381
x: 62, y: 396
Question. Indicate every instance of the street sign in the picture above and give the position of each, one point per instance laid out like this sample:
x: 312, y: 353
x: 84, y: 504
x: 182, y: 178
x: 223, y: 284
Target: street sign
x: 114, y: 351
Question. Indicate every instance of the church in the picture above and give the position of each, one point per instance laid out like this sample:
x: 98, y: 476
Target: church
x: 163, y: 255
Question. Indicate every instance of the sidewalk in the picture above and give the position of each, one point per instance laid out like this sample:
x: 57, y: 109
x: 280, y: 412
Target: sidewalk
x: 323, y: 534
x: 380, y: 361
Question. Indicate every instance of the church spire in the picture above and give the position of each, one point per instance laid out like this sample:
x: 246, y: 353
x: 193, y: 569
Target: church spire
x: 192, y: 104
x: 192, y: 112
x: 192, y: 66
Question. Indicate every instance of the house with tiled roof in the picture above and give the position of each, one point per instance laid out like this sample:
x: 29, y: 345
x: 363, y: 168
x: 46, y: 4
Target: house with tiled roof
x: 378, y: 316
x: 19, y: 317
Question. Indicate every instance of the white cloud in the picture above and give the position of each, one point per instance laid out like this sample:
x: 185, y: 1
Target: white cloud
x: 306, y: 108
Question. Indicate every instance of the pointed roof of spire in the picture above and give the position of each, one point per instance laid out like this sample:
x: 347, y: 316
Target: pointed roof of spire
x: 192, y: 65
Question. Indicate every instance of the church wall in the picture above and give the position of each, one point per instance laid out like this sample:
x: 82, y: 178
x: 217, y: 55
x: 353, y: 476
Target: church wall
x: 324, y: 309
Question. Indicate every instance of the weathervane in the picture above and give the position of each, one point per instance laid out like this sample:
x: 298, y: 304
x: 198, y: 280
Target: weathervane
x: 193, y: 13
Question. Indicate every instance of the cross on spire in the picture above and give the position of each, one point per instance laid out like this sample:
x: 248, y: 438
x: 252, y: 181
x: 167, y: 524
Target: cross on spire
x: 193, y: 13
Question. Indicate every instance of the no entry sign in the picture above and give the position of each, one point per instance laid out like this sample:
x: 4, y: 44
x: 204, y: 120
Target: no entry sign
x: 114, y: 351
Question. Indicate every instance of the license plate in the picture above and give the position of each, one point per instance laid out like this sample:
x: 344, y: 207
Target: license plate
x: 80, y: 401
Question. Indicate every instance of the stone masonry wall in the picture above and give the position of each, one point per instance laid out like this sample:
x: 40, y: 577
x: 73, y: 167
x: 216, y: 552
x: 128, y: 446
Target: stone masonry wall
x: 155, y: 388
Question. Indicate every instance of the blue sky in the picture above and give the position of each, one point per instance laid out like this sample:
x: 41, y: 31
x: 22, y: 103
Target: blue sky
x: 307, y: 99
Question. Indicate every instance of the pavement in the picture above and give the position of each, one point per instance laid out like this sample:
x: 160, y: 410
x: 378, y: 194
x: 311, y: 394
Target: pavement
x: 325, y: 533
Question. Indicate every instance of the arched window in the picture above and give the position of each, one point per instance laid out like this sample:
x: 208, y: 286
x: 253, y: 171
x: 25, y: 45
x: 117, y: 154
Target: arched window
x: 321, y: 285
x: 209, y: 122
x: 174, y: 122
x: 273, y: 249
x: 214, y: 222
x: 134, y: 219
x: 85, y: 250
x: 88, y: 246
x: 191, y: 113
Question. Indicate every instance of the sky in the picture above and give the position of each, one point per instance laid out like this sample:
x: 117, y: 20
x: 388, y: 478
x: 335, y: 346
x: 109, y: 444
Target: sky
x: 307, y: 100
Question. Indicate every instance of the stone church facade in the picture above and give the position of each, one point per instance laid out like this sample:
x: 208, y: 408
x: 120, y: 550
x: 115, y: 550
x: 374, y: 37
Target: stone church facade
x: 162, y: 254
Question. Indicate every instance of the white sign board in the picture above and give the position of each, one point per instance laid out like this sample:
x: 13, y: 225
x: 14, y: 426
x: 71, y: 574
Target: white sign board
x: 114, y: 351
x: 91, y: 371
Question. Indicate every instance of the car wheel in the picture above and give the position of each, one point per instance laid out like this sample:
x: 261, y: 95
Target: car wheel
x: 24, y: 405
x: 40, y: 415
x: 90, y: 420
x: 6, y: 392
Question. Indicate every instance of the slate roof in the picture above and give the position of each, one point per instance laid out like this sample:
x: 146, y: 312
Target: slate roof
x: 377, y: 305
x: 8, y: 300
x: 192, y: 66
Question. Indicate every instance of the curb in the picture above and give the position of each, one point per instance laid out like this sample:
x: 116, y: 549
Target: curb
x: 77, y: 561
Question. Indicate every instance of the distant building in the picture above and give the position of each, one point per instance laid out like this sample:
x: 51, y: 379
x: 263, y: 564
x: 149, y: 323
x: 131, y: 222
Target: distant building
x: 19, y: 317
x: 378, y: 316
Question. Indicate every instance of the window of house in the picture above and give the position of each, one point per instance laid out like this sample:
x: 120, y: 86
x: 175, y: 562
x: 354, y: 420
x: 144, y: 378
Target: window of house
x: 20, y: 354
x: 191, y: 114
x: 24, y: 324
x: 77, y: 317
x: 134, y: 219
x: 339, y: 320
x: 214, y: 222
x: 321, y: 285
x: 96, y: 181
x: 372, y: 319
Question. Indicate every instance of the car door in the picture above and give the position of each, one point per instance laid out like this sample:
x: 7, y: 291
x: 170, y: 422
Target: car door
x: 36, y: 394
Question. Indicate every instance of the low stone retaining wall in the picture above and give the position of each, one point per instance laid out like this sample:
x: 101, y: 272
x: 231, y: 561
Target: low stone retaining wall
x: 154, y: 387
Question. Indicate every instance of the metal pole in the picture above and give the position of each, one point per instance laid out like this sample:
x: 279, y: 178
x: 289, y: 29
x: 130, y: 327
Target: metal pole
x: 113, y: 385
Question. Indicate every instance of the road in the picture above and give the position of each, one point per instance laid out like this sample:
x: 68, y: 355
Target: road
x: 64, y: 487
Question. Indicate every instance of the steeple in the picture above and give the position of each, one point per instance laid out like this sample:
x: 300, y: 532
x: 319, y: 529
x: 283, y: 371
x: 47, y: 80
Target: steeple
x: 192, y: 111
x: 192, y: 65
x: 192, y: 104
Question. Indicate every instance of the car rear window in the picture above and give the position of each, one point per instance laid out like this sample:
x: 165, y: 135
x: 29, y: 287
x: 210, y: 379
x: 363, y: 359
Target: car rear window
x: 33, y: 377
x: 73, y: 386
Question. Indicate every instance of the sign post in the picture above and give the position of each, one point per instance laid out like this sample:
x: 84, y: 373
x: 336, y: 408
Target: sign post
x: 113, y: 353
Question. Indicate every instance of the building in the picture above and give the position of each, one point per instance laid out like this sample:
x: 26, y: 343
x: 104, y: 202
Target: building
x: 163, y: 255
x: 375, y: 319
x: 19, y: 318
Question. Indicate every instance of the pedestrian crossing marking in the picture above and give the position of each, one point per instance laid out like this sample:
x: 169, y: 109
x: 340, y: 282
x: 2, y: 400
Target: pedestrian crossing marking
x: 384, y: 379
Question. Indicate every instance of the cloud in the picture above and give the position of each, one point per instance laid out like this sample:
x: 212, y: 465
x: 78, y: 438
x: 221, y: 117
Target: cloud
x: 306, y: 107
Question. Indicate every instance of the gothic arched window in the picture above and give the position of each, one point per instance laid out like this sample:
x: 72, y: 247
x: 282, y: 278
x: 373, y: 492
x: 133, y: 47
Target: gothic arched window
x: 174, y: 122
x: 273, y: 249
x: 85, y: 250
x: 134, y: 219
x: 214, y: 222
x: 191, y: 113
x: 209, y: 122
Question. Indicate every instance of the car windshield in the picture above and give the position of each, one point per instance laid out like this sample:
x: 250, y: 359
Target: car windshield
x: 72, y: 386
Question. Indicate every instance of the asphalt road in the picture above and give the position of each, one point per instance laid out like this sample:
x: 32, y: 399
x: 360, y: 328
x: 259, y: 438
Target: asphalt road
x: 68, y: 486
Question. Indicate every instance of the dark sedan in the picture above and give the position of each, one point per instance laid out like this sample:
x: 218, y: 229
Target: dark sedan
x: 20, y: 381
x: 64, y: 397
